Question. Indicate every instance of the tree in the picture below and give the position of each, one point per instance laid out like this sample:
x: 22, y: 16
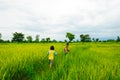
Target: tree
x: 118, y: 39
x: 65, y: 40
x: 110, y: 40
x: 43, y: 40
x: 82, y: 37
x: 17, y: 37
x: 93, y: 39
x: 97, y: 39
x: 70, y: 36
x: 54, y: 40
x: 85, y: 38
x: 37, y: 38
x: 0, y: 36
x: 29, y: 38
x: 48, y: 39
x: 77, y: 40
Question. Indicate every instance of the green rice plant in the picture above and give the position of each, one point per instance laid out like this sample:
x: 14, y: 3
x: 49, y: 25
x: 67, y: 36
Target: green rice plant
x: 88, y: 61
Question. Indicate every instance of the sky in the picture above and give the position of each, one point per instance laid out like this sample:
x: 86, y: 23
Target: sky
x: 53, y: 18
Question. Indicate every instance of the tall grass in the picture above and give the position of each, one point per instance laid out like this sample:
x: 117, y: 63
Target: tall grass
x: 88, y: 61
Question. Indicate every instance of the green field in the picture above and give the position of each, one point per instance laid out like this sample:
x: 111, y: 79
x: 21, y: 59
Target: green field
x: 88, y: 61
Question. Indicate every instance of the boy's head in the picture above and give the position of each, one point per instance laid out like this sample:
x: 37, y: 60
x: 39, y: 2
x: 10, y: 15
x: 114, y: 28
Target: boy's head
x: 51, y: 47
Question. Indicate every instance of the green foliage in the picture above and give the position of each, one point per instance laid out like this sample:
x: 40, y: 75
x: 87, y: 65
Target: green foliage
x: 70, y: 36
x: 43, y: 40
x: 0, y: 36
x: 29, y: 38
x: 54, y: 40
x: 48, y: 39
x: 110, y: 40
x: 97, y: 39
x: 37, y: 38
x: 17, y: 37
x: 92, y: 61
x: 85, y: 38
x: 118, y: 39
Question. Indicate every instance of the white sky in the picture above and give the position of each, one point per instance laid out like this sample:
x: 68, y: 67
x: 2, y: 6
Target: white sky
x: 53, y: 18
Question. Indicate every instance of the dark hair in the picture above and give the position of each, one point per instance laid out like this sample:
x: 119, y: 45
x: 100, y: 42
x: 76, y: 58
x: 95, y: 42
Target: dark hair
x: 51, y: 47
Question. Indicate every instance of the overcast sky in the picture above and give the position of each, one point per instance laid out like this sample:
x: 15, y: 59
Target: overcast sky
x: 53, y: 18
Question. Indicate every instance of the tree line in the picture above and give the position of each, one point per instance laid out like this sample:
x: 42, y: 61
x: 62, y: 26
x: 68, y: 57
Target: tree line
x: 20, y: 37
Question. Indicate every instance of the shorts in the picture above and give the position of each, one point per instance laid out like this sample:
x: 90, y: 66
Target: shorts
x: 51, y: 61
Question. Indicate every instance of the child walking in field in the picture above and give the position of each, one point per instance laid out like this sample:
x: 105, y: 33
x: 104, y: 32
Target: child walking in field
x: 66, y: 49
x: 51, y: 54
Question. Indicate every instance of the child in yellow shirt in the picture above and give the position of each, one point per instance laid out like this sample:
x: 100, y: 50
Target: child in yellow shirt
x: 51, y: 54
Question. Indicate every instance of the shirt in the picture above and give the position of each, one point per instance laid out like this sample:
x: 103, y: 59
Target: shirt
x: 51, y: 54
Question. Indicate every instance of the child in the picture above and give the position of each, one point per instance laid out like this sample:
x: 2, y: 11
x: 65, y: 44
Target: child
x: 51, y: 54
x: 66, y: 49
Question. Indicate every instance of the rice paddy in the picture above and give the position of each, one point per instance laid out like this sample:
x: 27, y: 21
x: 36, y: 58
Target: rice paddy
x: 88, y: 61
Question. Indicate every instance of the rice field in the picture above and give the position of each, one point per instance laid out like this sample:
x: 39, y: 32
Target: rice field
x: 88, y: 61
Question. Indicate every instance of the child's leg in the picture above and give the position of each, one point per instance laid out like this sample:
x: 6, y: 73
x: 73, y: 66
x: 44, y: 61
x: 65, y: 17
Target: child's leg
x: 51, y: 63
x: 66, y: 53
